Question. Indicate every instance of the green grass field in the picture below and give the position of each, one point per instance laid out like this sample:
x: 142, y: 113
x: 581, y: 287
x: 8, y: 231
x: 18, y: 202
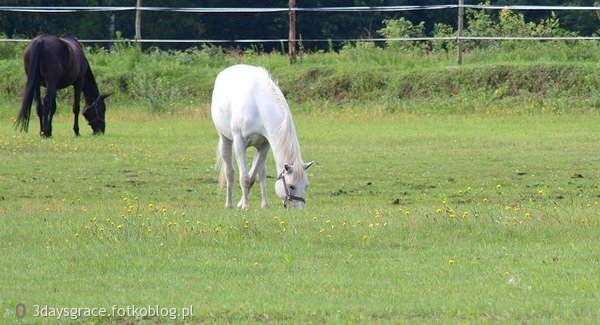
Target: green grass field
x: 410, y: 217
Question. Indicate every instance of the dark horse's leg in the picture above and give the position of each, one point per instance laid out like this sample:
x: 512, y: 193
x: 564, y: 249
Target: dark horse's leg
x: 39, y: 107
x: 76, y: 103
x: 49, y: 107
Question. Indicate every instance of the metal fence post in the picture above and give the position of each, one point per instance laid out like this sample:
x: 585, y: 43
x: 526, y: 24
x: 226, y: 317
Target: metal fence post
x: 459, y: 38
x: 292, y: 34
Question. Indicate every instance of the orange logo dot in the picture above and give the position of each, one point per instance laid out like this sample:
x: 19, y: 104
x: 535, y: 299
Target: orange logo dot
x: 21, y: 310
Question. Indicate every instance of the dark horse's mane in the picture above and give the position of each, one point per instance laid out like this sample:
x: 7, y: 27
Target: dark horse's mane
x: 56, y: 63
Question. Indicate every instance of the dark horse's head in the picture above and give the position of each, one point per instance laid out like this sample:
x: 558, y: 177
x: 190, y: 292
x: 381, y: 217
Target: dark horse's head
x: 95, y: 113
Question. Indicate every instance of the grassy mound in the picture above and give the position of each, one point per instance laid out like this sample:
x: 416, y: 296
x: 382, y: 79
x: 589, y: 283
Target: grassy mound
x: 548, y: 75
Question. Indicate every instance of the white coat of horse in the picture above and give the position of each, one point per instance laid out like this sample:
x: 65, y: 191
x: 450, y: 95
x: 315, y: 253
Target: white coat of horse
x: 248, y: 109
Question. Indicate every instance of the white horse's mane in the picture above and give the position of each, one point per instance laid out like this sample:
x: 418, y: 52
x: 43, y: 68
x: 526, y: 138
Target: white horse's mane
x: 287, y: 145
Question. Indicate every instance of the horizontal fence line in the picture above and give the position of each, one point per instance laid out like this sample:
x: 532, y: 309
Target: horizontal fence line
x: 63, y: 9
x: 59, y: 9
x: 270, y: 40
x: 531, y: 38
x: 47, y: 9
x: 497, y: 7
x: 286, y: 40
x: 320, y: 9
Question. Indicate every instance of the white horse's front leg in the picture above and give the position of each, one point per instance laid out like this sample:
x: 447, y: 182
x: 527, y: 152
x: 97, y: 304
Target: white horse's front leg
x: 245, y: 185
x: 259, y: 169
x: 262, y: 175
x: 253, y: 171
x: 262, y: 179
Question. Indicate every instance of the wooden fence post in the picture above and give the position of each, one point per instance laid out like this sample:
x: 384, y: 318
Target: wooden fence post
x: 138, y: 21
x: 111, y: 26
x: 459, y: 38
x: 292, y: 34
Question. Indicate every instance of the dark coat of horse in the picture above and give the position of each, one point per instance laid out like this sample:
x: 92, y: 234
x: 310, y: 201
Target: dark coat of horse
x: 57, y: 63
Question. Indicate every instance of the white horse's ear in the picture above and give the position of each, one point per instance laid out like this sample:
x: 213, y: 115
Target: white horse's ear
x: 288, y: 168
x: 307, y: 165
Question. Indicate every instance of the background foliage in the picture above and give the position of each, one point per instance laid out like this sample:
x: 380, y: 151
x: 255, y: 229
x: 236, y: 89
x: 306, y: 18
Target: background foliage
x: 322, y: 25
x: 555, y: 75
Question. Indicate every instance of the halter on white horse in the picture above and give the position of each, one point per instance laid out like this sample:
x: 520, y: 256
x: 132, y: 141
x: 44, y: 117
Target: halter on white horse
x: 249, y: 109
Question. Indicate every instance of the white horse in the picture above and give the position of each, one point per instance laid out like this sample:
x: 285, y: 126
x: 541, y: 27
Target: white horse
x: 249, y: 109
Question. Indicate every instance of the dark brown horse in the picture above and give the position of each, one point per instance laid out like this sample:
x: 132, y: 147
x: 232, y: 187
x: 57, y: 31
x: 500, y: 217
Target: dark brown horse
x: 57, y: 63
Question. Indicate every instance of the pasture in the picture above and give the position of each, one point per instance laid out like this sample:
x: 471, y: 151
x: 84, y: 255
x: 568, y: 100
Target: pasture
x: 409, y: 217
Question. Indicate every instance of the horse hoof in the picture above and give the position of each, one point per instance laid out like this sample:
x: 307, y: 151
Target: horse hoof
x: 243, y: 206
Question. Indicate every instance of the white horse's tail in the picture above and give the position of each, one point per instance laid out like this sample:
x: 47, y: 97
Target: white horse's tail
x: 220, y: 164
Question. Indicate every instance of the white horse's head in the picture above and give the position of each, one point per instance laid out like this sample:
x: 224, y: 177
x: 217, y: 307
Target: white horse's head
x: 291, y: 185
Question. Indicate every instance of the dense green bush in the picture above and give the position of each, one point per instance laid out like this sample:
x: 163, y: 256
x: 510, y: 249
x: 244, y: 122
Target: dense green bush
x: 479, y: 23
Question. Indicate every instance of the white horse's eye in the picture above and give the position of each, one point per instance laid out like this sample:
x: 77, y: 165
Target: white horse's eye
x: 292, y: 187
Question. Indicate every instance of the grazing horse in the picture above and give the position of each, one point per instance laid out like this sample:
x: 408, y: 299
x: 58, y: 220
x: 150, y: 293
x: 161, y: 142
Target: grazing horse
x: 56, y: 63
x: 249, y: 109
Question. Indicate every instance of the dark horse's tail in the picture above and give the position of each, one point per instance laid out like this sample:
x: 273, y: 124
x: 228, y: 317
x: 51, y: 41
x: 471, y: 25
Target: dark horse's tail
x: 33, y: 82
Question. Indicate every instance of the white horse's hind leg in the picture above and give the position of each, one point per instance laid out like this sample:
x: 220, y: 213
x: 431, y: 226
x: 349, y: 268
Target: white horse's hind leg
x: 228, y: 169
x: 239, y: 146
